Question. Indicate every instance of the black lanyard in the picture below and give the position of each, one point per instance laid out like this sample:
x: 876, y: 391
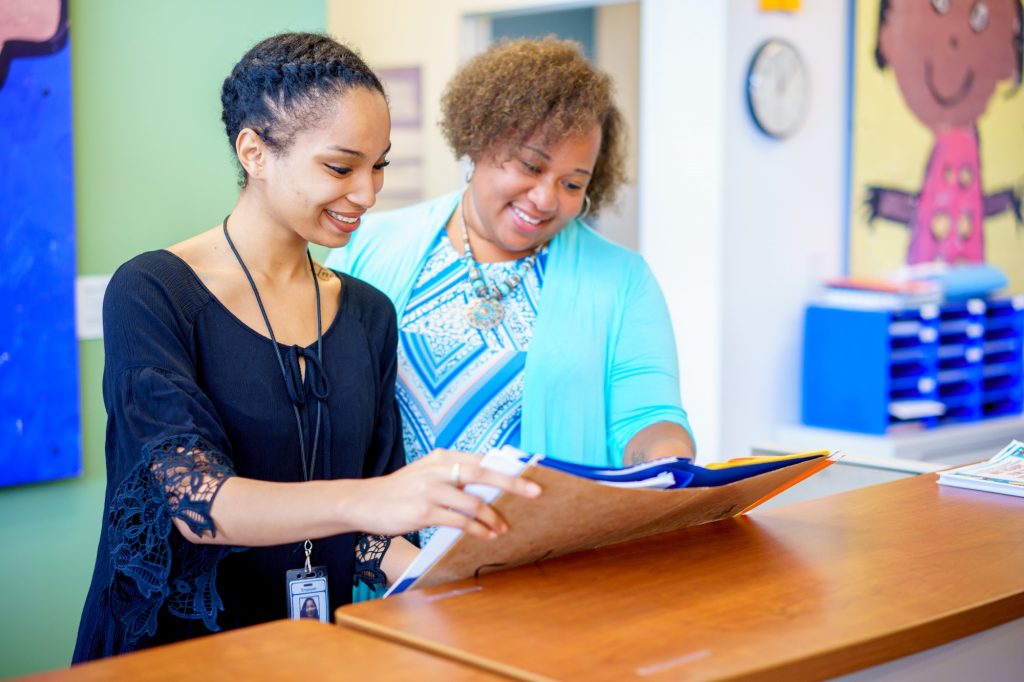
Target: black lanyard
x: 307, y: 472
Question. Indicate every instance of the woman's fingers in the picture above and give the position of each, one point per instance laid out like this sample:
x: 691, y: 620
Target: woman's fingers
x: 471, y: 507
x: 445, y: 473
x: 512, y: 484
x: 467, y: 469
x: 449, y: 517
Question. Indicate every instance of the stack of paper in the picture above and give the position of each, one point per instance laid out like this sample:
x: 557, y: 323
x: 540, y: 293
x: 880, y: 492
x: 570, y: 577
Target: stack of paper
x: 871, y: 294
x: 1004, y: 473
x: 586, y: 507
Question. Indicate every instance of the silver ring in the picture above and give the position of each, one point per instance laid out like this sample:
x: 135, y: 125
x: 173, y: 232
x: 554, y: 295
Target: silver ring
x: 456, y: 477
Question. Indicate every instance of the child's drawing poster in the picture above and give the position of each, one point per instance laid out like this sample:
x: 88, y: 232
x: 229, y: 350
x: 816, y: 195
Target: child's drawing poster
x: 39, y: 408
x: 938, y: 136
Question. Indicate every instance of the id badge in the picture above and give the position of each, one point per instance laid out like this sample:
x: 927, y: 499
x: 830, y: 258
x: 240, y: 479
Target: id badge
x: 307, y: 594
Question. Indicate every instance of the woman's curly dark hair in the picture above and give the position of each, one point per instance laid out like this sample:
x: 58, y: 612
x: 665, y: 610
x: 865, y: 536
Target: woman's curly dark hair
x: 520, y: 87
x: 282, y: 85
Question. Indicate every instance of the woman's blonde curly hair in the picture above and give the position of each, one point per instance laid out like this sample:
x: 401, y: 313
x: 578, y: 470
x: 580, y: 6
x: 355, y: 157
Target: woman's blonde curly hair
x: 518, y: 87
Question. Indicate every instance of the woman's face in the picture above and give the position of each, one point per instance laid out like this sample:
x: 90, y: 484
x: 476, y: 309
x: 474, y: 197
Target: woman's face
x: 524, y: 197
x: 321, y: 185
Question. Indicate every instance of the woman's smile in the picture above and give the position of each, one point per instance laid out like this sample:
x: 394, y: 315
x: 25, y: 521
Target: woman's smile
x: 344, y: 222
x: 526, y: 221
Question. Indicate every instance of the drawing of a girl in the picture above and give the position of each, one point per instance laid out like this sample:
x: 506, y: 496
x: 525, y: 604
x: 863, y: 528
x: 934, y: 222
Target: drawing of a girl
x: 948, y: 56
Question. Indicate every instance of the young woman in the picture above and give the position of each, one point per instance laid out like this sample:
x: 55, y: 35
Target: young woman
x: 249, y: 389
x: 518, y: 324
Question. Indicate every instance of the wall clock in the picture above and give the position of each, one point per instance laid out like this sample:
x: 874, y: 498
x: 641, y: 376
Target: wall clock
x: 778, y: 88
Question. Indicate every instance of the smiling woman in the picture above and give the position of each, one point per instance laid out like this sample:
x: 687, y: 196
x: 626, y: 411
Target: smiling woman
x: 248, y: 388
x: 518, y: 324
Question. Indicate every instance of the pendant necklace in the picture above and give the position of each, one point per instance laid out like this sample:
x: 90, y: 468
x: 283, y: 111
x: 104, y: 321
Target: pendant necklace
x: 485, y: 311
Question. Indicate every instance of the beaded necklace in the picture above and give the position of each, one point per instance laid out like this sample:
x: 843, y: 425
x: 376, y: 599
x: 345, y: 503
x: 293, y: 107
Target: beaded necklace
x: 486, y: 310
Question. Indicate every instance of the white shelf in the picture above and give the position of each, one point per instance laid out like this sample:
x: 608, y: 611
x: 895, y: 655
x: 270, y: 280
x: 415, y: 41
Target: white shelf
x: 953, y: 444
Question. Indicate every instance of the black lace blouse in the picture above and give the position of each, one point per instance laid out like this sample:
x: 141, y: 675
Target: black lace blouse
x: 194, y: 396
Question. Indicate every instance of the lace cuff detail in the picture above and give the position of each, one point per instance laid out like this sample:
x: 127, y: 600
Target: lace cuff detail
x: 190, y: 473
x: 370, y: 550
x: 150, y: 564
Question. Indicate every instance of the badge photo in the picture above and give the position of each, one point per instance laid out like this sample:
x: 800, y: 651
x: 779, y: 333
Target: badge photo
x: 307, y: 594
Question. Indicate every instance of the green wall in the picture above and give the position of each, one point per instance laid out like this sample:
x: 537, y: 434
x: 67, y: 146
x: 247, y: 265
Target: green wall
x: 152, y: 167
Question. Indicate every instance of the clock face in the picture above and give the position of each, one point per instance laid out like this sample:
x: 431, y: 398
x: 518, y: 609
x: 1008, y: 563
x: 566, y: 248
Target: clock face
x: 778, y: 90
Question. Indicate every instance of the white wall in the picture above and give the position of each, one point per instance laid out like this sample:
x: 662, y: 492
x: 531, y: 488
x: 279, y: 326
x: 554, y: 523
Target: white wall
x: 737, y: 227
x: 683, y: 96
x: 784, y: 218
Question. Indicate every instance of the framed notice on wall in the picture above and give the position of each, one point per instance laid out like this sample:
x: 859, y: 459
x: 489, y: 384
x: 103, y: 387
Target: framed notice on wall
x: 403, y: 180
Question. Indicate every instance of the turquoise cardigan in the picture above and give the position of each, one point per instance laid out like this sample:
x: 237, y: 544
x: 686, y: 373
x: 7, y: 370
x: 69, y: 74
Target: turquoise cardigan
x: 602, y: 360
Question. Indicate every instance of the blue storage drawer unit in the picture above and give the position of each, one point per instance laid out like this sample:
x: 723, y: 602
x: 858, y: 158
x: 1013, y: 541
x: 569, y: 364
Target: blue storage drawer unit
x: 1002, y: 389
x: 877, y: 371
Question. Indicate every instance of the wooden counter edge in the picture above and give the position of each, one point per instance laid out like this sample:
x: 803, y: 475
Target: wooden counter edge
x: 835, y: 661
x: 862, y: 654
x: 436, y: 649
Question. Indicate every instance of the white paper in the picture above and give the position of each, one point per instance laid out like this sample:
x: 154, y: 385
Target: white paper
x: 505, y: 461
x: 89, y: 290
x: 916, y: 409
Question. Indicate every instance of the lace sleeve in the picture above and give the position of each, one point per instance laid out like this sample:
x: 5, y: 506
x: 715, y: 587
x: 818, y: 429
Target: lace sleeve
x: 370, y: 550
x: 152, y: 565
x: 190, y: 472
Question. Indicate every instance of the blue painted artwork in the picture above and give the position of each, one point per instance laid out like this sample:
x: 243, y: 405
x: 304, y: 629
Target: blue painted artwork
x: 39, y: 404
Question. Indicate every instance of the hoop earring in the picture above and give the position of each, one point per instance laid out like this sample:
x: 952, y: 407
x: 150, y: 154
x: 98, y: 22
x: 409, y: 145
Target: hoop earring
x: 469, y: 171
x: 586, y: 207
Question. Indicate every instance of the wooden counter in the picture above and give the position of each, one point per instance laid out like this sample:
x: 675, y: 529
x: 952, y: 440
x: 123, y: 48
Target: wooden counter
x: 282, y: 650
x: 806, y: 591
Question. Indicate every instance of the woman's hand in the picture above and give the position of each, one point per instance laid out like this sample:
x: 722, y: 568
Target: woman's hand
x: 429, y: 492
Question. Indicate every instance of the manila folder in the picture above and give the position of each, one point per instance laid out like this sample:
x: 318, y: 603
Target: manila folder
x: 574, y: 514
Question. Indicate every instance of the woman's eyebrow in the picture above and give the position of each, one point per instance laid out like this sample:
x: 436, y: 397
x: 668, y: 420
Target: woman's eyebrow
x: 353, y: 152
x: 538, y: 152
x: 344, y: 150
x: 547, y: 157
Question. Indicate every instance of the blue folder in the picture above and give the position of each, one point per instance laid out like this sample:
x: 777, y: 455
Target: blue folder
x: 683, y: 472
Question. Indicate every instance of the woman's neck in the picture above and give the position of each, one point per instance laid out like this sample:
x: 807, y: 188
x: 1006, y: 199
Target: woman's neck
x: 484, y: 250
x: 272, y: 251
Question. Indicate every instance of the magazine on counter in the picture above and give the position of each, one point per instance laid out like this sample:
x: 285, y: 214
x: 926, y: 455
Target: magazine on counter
x: 1003, y: 473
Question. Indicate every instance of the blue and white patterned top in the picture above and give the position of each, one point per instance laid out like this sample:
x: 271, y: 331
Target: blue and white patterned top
x: 602, y: 363
x: 460, y: 387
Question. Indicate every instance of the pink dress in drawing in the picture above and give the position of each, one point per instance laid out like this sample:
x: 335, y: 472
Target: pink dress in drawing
x: 950, y: 208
